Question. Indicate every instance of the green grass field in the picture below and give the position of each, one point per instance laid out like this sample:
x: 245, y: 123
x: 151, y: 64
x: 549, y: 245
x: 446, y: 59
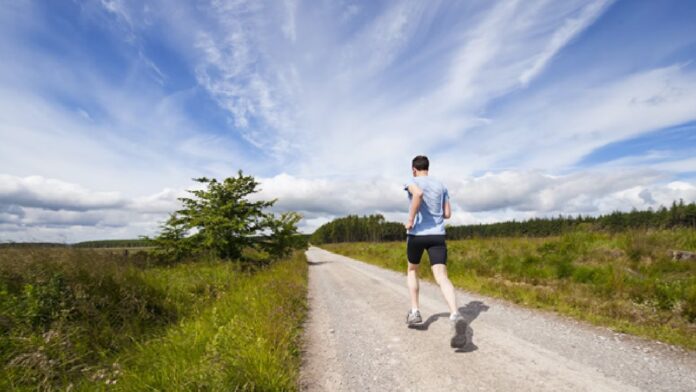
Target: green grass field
x: 91, y: 320
x: 625, y: 281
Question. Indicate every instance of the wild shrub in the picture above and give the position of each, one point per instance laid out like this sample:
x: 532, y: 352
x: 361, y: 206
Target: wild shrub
x: 583, y: 274
x: 249, y: 339
x: 62, y: 309
x: 689, y: 304
x: 225, y: 221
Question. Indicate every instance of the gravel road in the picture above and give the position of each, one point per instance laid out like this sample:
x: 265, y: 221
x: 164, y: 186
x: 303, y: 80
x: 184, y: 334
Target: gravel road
x: 356, y: 339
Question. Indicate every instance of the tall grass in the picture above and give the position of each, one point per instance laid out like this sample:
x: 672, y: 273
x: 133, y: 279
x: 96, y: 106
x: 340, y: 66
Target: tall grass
x: 77, y: 317
x: 248, y: 340
x: 626, y: 281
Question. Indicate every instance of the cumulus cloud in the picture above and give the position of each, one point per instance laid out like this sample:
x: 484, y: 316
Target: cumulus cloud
x: 487, y: 198
x: 162, y: 202
x: 326, y: 104
x: 534, y: 191
x: 52, y: 194
x: 29, y: 205
x: 332, y: 197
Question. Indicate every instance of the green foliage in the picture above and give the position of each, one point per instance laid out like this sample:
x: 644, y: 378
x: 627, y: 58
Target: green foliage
x: 678, y: 215
x: 358, y: 228
x: 626, y: 280
x: 224, y: 221
x: 374, y: 228
x: 249, y: 339
x: 96, y: 321
x: 283, y: 236
x: 61, y: 310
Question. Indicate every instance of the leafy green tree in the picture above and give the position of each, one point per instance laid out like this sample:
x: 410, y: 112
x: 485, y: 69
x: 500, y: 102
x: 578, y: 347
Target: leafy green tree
x: 283, y: 236
x: 372, y: 228
x: 223, y: 220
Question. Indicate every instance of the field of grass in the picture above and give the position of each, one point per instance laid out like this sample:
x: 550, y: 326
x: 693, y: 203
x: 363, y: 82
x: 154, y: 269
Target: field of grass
x: 625, y: 281
x: 82, y: 319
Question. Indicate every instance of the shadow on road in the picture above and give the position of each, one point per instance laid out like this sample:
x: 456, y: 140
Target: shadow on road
x: 425, y: 324
x: 317, y: 262
x: 462, y: 340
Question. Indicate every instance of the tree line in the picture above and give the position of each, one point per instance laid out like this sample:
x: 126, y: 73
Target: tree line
x: 374, y: 228
x: 354, y: 228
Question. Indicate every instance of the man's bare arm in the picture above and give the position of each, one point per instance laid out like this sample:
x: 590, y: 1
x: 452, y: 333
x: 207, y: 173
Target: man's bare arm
x: 448, y: 210
x: 417, y: 197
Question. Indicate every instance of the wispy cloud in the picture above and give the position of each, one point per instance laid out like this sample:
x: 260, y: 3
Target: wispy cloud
x: 568, y: 30
x: 124, y: 102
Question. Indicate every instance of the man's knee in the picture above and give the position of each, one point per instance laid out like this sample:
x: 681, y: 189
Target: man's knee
x: 440, y: 274
x: 412, y: 267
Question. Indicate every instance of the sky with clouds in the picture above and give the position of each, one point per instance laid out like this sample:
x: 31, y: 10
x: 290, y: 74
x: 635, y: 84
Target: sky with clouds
x: 526, y: 108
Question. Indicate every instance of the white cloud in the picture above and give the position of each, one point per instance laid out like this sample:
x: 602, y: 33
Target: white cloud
x: 570, y: 28
x: 359, y: 118
x: 338, y: 94
x: 537, y: 192
x: 164, y: 202
x: 33, y: 205
x: 316, y: 197
x: 236, y: 71
x: 558, y: 126
x: 289, y: 26
x: 51, y: 194
x: 29, y: 209
x: 487, y: 198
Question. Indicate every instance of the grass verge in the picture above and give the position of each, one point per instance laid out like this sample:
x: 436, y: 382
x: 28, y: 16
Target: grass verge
x: 625, y: 281
x: 247, y: 340
x: 83, y: 319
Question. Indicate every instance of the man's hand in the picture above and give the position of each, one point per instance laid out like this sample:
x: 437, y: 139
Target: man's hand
x: 408, y: 225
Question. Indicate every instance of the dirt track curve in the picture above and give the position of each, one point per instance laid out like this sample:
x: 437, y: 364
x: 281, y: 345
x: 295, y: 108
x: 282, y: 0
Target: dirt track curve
x: 356, y: 340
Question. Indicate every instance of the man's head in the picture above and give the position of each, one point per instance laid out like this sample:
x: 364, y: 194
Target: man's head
x: 420, y: 164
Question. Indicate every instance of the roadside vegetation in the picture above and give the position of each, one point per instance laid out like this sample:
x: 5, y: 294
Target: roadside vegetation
x: 216, y: 304
x: 354, y: 228
x: 374, y: 228
x: 246, y: 339
x: 625, y: 280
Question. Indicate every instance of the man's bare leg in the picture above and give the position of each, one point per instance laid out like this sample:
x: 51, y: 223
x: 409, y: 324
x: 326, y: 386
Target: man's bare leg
x: 440, y: 274
x: 412, y: 279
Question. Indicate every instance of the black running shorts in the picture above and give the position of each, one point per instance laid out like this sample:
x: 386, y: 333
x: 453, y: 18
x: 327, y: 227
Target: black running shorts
x: 434, y: 244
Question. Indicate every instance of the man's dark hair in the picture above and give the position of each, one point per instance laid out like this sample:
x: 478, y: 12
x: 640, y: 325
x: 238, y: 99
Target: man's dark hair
x: 420, y: 162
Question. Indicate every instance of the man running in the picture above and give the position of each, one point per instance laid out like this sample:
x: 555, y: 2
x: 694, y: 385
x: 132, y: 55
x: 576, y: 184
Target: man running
x: 430, y: 206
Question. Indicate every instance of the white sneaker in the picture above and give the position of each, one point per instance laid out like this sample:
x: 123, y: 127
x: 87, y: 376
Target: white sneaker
x: 413, y: 317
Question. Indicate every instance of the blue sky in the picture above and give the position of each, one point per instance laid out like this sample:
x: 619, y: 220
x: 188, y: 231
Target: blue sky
x: 526, y: 108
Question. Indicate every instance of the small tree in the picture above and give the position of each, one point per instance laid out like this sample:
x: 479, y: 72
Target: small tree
x: 283, y: 236
x: 222, y: 220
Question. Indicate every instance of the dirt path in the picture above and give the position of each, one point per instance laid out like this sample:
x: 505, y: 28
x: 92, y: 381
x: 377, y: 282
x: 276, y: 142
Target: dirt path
x: 356, y: 340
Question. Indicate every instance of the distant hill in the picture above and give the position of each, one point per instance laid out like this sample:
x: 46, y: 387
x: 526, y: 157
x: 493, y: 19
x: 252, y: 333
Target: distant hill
x: 129, y: 243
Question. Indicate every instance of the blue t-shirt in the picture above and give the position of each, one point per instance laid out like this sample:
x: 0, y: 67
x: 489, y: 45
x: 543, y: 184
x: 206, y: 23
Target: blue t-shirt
x: 430, y: 216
